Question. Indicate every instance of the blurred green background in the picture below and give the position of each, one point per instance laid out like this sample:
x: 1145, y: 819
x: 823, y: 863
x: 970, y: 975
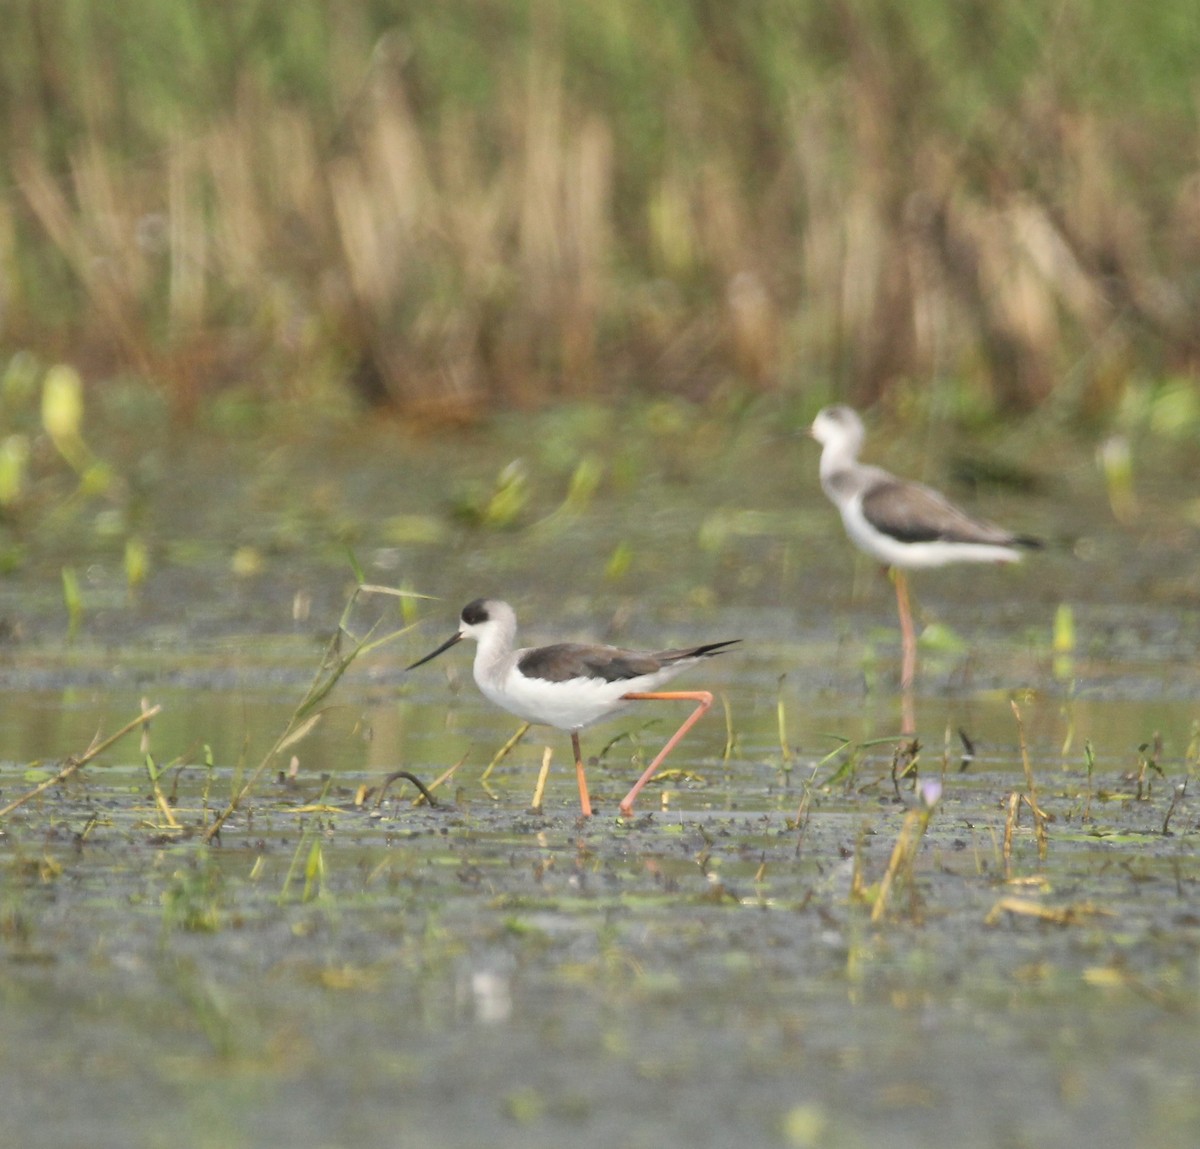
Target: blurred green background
x: 448, y: 209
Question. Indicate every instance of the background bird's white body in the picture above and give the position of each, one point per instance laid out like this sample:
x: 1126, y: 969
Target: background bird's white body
x: 901, y: 523
x: 904, y: 525
x: 915, y: 555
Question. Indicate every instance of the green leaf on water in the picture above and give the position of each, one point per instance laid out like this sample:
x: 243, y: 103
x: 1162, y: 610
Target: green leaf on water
x: 1064, y: 629
x: 137, y: 562
x: 356, y: 567
x: 72, y: 600
x: 62, y: 405
x: 619, y: 562
x: 940, y: 638
x: 805, y: 1125
x: 14, y: 459
x: 314, y: 871
x: 585, y: 481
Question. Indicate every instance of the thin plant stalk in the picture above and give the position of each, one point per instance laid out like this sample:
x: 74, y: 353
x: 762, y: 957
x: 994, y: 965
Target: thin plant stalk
x: 540, y: 789
x: 307, y: 715
x: 505, y: 750
x: 74, y: 764
x: 904, y: 855
x: 781, y: 718
x: 1040, y: 817
x: 1089, y: 757
x: 426, y: 794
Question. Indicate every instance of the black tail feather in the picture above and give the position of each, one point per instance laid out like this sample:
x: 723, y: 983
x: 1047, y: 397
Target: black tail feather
x: 710, y: 648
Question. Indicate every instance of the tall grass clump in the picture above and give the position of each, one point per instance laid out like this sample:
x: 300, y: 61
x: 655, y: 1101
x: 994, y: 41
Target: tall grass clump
x: 445, y: 207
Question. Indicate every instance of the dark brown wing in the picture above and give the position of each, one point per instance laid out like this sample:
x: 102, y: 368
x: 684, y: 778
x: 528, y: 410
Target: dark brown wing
x: 914, y: 513
x: 566, y: 660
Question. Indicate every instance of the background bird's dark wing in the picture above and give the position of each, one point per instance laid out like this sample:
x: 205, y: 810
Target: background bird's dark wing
x: 914, y: 513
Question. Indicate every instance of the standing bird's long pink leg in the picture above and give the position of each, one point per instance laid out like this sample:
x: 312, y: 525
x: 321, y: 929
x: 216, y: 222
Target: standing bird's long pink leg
x: 908, y: 638
x: 585, y: 802
x: 702, y: 697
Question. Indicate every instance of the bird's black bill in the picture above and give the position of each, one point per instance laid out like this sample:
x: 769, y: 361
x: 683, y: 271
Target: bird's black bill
x: 434, y: 653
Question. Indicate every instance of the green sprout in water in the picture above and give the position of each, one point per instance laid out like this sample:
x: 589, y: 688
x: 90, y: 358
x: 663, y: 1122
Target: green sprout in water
x: 1064, y: 642
x: 14, y: 465
x: 72, y: 600
x: 62, y: 419
x: 137, y: 563
x: 192, y: 899
x: 1089, y: 757
x: 619, y: 562
x: 1115, y: 460
x: 785, y: 750
x: 501, y: 507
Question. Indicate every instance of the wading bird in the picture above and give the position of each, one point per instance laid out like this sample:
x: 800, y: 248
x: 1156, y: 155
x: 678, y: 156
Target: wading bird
x: 572, y: 685
x: 905, y: 525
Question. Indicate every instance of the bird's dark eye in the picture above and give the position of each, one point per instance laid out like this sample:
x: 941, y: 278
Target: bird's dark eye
x: 475, y: 612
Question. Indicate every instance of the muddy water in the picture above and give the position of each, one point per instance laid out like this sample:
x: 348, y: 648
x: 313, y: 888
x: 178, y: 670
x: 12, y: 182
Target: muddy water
x: 340, y: 972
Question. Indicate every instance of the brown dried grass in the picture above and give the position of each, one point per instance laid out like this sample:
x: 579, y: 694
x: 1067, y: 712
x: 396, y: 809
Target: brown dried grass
x: 447, y: 260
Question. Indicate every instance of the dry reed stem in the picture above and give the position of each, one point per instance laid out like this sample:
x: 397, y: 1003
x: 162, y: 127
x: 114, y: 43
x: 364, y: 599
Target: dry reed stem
x: 156, y: 773
x: 74, y: 764
x: 903, y: 857
x: 1177, y: 796
x: 1061, y: 915
x: 164, y: 808
x: 1040, y: 817
x: 440, y: 780
x: 539, y: 789
x: 67, y: 231
x: 505, y: 750
x: 1010, y: 824
x: 490, y: 252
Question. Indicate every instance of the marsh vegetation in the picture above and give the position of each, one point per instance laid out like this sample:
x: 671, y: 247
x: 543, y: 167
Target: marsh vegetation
x: 311, y: 311
x: 452, y: 209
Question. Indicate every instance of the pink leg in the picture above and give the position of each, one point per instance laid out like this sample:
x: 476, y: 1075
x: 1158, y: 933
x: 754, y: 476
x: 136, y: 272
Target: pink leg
x: 908, y: 636
x: 907, y: 633
x: 585, y: 803
x: 702, y: 697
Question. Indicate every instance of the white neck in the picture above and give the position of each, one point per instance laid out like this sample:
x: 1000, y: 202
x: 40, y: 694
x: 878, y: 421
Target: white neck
x: 495, y: 639
x: 839, y: 454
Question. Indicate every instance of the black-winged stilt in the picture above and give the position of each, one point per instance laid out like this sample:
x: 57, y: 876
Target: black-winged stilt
x: 905, y: 525
x: 572, y: 685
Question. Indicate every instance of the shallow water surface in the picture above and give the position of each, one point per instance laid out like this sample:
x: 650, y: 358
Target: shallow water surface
x: 340, y: 969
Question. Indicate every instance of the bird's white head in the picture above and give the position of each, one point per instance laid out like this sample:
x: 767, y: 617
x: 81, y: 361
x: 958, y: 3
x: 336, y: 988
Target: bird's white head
x: 488, y: 621
x: 840, y: 429
x: 486, y: 616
